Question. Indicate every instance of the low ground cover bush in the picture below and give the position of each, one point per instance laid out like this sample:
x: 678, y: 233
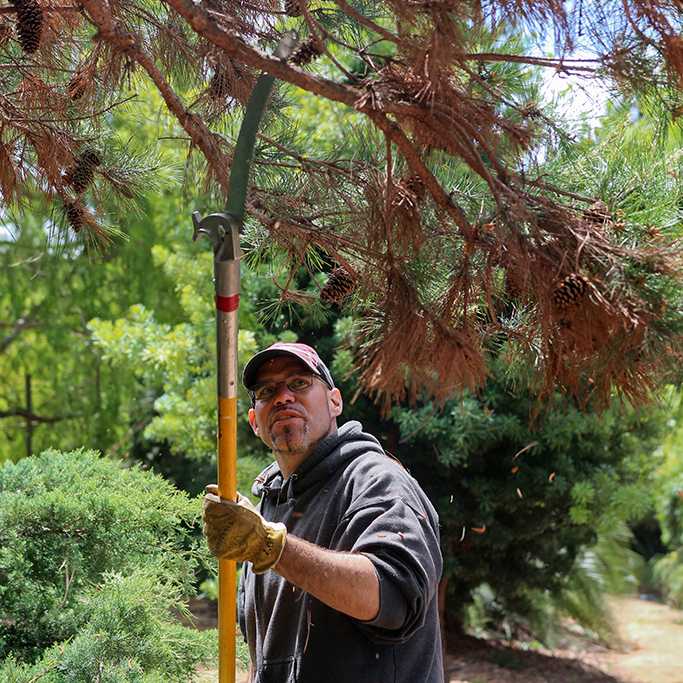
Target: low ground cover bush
x: 96, y: 559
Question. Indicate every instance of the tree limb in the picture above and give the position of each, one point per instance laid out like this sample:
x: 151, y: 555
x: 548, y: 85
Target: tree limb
x: 32, y: 417
x: 131, y: 45
x: 18, y: 327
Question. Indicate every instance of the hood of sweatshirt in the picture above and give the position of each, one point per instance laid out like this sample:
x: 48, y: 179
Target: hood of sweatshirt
x: 331, y: 453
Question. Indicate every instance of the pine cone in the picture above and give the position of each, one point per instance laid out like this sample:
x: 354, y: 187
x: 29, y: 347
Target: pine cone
x: 82, y: 173
x: 340, y: 284
x: 29, y: 24
x: 219, y: 85
x: 75, y: 216
x: 305, y: 53
x: 77, y: 85
x: 570, y: 291
x: 293, y: 8
x: 415, y: 185
x: 599, y: 211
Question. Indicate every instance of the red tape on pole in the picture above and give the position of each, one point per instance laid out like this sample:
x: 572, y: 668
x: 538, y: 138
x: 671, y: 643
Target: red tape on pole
x: 227, y: 304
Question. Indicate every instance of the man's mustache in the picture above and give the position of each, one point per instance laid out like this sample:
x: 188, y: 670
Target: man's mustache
x: 290, y: 412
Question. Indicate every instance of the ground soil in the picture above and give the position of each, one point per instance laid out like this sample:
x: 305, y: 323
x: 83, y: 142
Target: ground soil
x: 653, y: 638
x: 650, y: 650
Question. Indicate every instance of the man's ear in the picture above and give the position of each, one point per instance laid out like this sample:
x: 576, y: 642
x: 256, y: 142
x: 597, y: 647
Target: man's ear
x: 336, y: 402
x: 252, y: 421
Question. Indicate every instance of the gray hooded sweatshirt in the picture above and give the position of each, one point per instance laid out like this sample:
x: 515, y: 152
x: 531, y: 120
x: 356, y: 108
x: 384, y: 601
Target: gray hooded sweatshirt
x: 348, y: 495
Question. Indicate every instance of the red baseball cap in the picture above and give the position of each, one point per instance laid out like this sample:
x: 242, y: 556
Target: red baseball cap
x: 306, y: 354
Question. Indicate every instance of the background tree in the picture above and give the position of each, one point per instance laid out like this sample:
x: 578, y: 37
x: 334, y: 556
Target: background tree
x: 50, y: 288
x: 667, y: 565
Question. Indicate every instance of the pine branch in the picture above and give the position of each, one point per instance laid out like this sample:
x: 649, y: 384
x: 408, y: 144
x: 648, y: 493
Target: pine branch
x: 232, y: 44
x: 56, y: 8
x: 368, y: 23
x: 561, y: 65
x: 411, y: 155
x: 131, y: 45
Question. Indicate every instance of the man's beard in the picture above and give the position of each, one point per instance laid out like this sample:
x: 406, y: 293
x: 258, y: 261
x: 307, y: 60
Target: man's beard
x: 291, y: 441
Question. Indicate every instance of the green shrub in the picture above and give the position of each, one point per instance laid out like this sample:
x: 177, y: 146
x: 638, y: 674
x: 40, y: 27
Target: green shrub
x: 668, y: 575
x: 609, y: 567
x: 79, y: 532
x: 126, y: 637
x: 521, y: 505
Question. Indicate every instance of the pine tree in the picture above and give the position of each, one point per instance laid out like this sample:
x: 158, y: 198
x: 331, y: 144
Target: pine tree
x: 446, y: 182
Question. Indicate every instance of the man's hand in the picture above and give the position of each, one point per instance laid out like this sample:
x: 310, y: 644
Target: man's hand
x: 236, y: 531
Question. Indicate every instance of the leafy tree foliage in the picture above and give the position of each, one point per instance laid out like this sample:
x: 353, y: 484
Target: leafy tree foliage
x: 175, y: 365
x: 50, y: 287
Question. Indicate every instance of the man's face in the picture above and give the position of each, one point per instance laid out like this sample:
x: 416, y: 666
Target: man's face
x: 292, y: 422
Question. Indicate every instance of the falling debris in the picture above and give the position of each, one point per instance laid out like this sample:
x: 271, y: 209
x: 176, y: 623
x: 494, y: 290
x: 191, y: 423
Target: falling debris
x: 519, y: 493
x: 526, y: 448
x: 462, y: 536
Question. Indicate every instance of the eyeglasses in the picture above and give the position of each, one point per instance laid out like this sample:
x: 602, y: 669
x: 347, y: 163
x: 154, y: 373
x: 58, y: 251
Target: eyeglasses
x: 298, y: 385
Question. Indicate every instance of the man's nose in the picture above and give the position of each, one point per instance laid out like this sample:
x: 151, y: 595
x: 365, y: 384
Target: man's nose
x: 283, y: 394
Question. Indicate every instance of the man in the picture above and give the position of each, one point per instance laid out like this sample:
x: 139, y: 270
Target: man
x: 343, y: 555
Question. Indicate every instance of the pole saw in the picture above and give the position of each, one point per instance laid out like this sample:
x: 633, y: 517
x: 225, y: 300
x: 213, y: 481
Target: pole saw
x: 223, y: 230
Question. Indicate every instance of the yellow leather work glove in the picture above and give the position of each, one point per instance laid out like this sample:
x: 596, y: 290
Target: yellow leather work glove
x: 237, y: 531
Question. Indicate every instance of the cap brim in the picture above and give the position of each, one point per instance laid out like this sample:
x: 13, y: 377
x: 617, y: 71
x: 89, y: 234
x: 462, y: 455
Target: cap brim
x: 251, y: 369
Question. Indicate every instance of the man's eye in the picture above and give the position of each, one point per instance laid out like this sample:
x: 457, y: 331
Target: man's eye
x: 298, y: 383
x: 264, y: 393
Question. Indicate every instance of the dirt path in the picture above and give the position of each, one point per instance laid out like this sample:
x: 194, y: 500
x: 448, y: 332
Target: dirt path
x: 651, y: 652
x: 653, y: 642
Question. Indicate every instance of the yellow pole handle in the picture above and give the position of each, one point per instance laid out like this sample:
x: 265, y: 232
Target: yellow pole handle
x: 227, y: 569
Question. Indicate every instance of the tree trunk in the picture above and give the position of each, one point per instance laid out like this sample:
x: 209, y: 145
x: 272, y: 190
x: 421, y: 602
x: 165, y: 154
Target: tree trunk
x: 29, y: 412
